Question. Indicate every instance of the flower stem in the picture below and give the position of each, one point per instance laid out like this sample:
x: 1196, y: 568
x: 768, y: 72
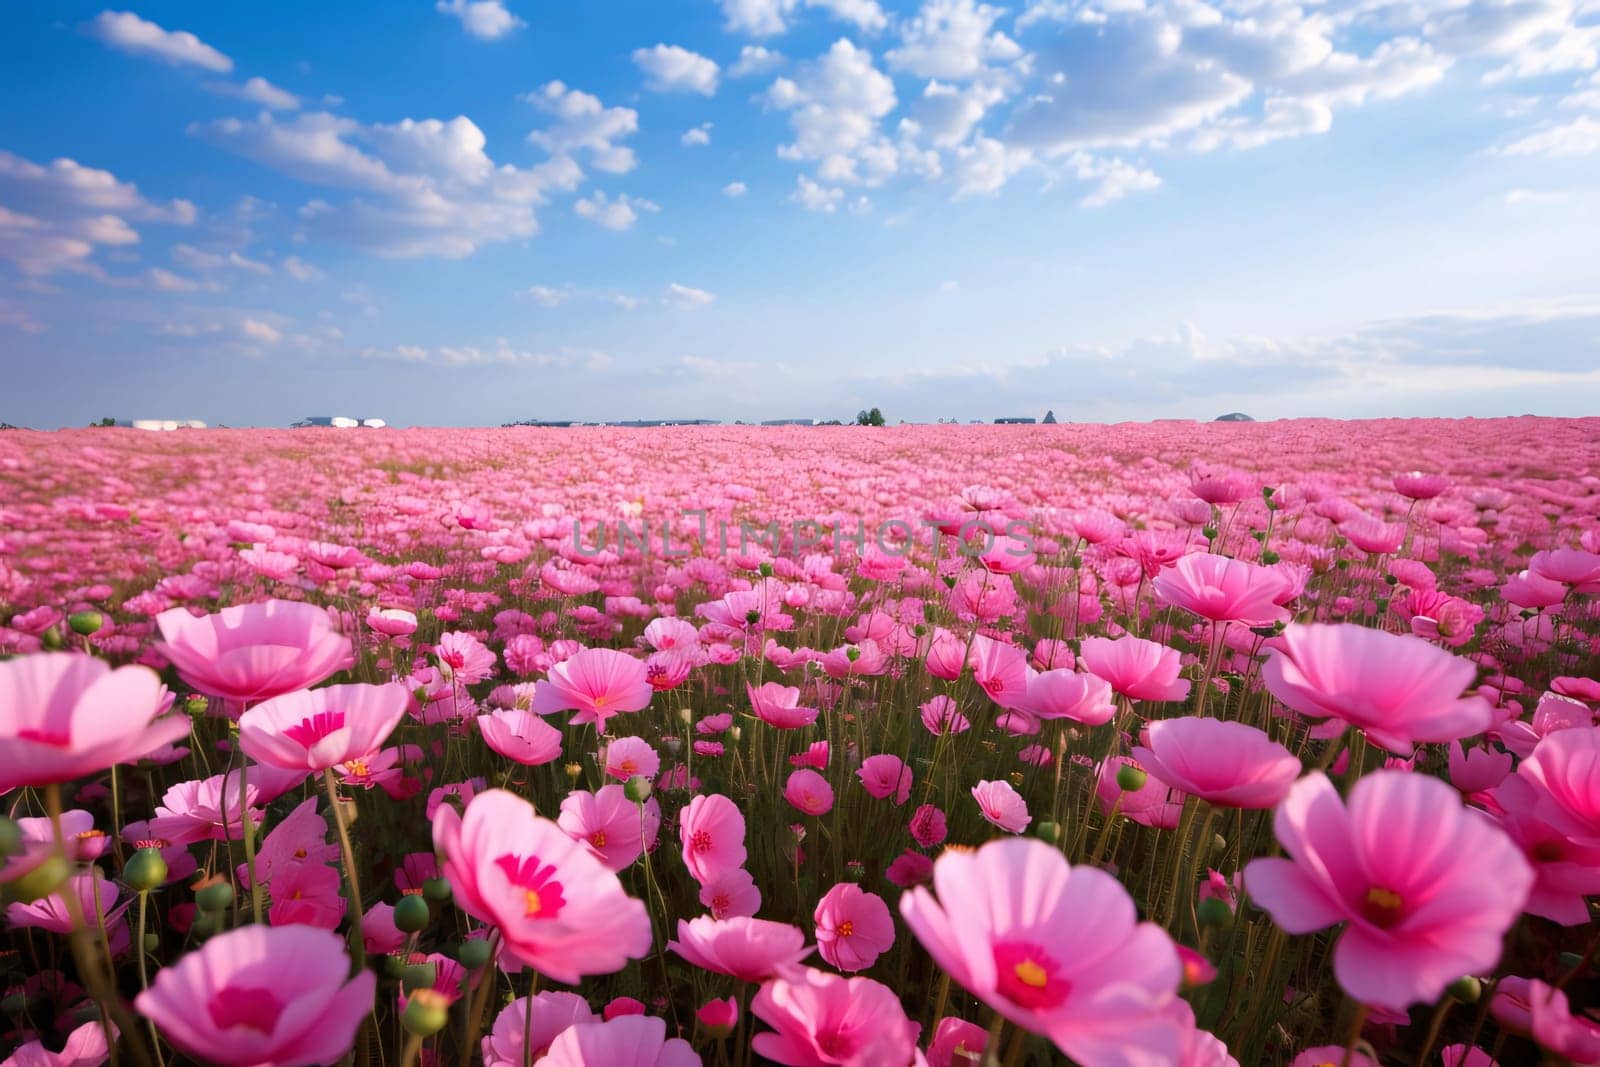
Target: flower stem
x: 358, y: 948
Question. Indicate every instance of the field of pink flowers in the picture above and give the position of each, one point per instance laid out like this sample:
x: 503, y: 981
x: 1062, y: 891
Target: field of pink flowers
x: 1147, y: 745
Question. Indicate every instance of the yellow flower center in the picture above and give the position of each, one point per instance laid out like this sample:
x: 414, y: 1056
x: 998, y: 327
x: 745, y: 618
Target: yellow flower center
x: 532, y: 904
x: 1031, y: 974
x: 847, y: 928
x: 599, y: 839
x: 356, y: 768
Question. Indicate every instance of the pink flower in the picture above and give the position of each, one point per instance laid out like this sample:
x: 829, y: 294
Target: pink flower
x: 1572, y: 1037
x: 597, y: 683
x: 252, y: 652
x: 1569, y: 566
x: 625, y: 1041
x: 1565, y: 769
x: 1397, y: 689
x: 520, y: 736
x: 261, y: 995
x: 809, y: 792
x: 1465, y: 1056
x: 1222, y: 589
x: 711, y: 828
x: 302, y: 837
x: 86, y: 1047
x: 463, y: 659
x: 609, y: 823
x: 884, y: 776
x: 1136, y: 668
x: 820, y: 1018
x: 1056, y: 949
x: 1002, y: 805
x: 928, y: 826
x: 205, y: 810
x: 1066, y: 694
x: 1322, y: 1055
x: 63, y: 716
x: 316, y: 729
x: 814, y: 756
x: 1420, y: 486
x: 308, y: 894
x: 908, y: 869
x: 559, y: 910
x: 719, y: 1017
x: 751, y: 950
x: 940, y: 716
x: 1226, y: 763
x: 1001, y: 669
x: 629, y: 756
x: 392, y: 622
x: 731, y: 894
x: 1153, y: 804
x: 957, y: 1043
x: 778, y: 705
x: 97, y: 901
x: 553, y: 1013
x: 1427, y: 887
x: 854, y: 927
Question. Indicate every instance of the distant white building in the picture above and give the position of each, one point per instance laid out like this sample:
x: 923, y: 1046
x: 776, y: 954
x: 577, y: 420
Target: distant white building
x: 338, y: 422
x: 162, y: 424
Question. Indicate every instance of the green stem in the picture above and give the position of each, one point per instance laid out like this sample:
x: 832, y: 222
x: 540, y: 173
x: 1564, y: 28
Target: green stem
x: 358, y: 948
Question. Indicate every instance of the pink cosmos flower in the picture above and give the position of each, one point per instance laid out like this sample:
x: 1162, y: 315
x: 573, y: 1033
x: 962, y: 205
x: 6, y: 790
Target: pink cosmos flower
x: 814, y: 756
x: 1056, y: 949
x: 1397, y: 689
x: 520, y: 736
x: 609, y: 823
x: 1222, y: 589
x: 928, y: 826
x: 261, y: 995
x: 941, y: 716
x: 252, y: 652
x: 1565, y: 769
x: 597, y: 683
x: 1571, y: 567
x: 1573, y: 1038
x: 854, y: 927
x: 957, y: 1043
x: 63, y: 716
x: 751, y: 950
x: 719, y: 1017
x: 463, y: 658
x: 711, y: 828
x: 809, y: 792
x: 392, y: 622
x: 86, y: 1046
x: 779, y: 705
x: 1322, y: 1055
x: 205, y: 810
x: 885, y: 776
x: 316, y: 729
x: 1136, y: 668
x: 553, y: 1013
x: 97, y: 899
x: 626, y: 757
x: 1427, y: 887
x: 1465, y: 1056
x: 1419, y: 485
x: 308, y: 894
x: 1002, y: 805
x: 1226, y: 763
x: 1066, y: 694
x: 559, y: 910
x: 624, y: 1041
x: 1001, y: 669
x: 731, y: 894
x: 908, y: 869
x: 820, y: 1019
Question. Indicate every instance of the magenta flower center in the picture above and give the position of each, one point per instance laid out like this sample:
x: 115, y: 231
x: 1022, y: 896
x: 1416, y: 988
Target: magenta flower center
x: 58, y: 738
x: 242, y: 1007
x: 315, y: 728
x: 1028, y: 976
x: 701, y: 841
x: 1382, y: 907
x: 542, y: 897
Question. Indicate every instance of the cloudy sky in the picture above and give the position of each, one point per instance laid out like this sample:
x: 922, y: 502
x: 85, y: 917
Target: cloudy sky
x: 472, y: 211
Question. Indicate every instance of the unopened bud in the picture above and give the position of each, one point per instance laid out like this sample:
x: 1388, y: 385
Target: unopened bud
x: 1213, y: 911
x: 1131, y: 779
x: 411, y: 914
x: 474, y: 953
x: 419, y: 976
x: 10, y: 838
x: 427, y: 1010
x: 214, y: 896
x: 43, y: 880
x: 84, y: 623
x: 436, y: 890
x: 1466, y: 989
x: 637, y: 789
x: 1048, y: 831
x: 145, y: 870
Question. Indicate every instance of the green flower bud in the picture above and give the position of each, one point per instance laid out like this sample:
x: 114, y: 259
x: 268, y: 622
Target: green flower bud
x: 394, y: 965
x: 43, y: 880
x: 196, y: 704
x: 84, y: 623
x: 10, y: 838
x: 206, y: 923
x: 411, y: 914
x: 152, y: 941
x: 419, y: 976
x: 637, y: 789
x: 1213, y: 911
x: 1131, y: 779
x: 473, y: 954
x: 766, y: 570
x: 427, y: 1010
x: 436, y: 890
x: 1210, y: 533
x: 51, y: 639
x: 1269, y: 557
x: 216, y: 897
x: 145, y: 870
x: 1466, y: 989
x: 1048, y: 831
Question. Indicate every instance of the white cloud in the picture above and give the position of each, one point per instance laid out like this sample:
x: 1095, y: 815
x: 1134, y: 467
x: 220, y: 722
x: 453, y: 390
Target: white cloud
x: 952, y: 39
x: 254, y: 266
x: 813, y: 197
x: 865, y: 14
x: 700, y: 135
x: 619, y: 214
x: 128, y: 32
x: 53, y: 217
x: 301, y: 271
x: 671, y: 69
x: 256, y: 330
x: 1579, y: 137
x: 486, y: 20
x: 584, y: 124
x: 984, y: 166
x: 735, y: 189
x: 257, y: 91
x: 753, y: 59
x: 688, y: 297
x: 765, y: 18
x: 18, y: 318
x: 168, y: 282
x: 424, y: 187
x: 1113, y: 178
x: 947, y: 114
x: 545, y: 296
x: 835, y: 103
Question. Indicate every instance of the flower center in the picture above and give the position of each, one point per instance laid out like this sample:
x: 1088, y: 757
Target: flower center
x: 1382, y: 907
x: 314, y: 729
x: 1027, y: 976
x: 847, y: 928
x: 628, y: 767
x: 245, y: 1008
x: 541, y: 893
x: 356, y: 768
x: 599, y: 839
x: 701, y: 841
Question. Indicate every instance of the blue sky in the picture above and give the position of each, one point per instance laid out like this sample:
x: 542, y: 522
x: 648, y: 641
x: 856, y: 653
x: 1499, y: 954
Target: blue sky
x: 471, y: 211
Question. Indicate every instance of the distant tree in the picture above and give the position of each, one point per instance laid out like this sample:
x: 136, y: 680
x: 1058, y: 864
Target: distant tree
x: 107, y: 421
x: 869, y: 418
